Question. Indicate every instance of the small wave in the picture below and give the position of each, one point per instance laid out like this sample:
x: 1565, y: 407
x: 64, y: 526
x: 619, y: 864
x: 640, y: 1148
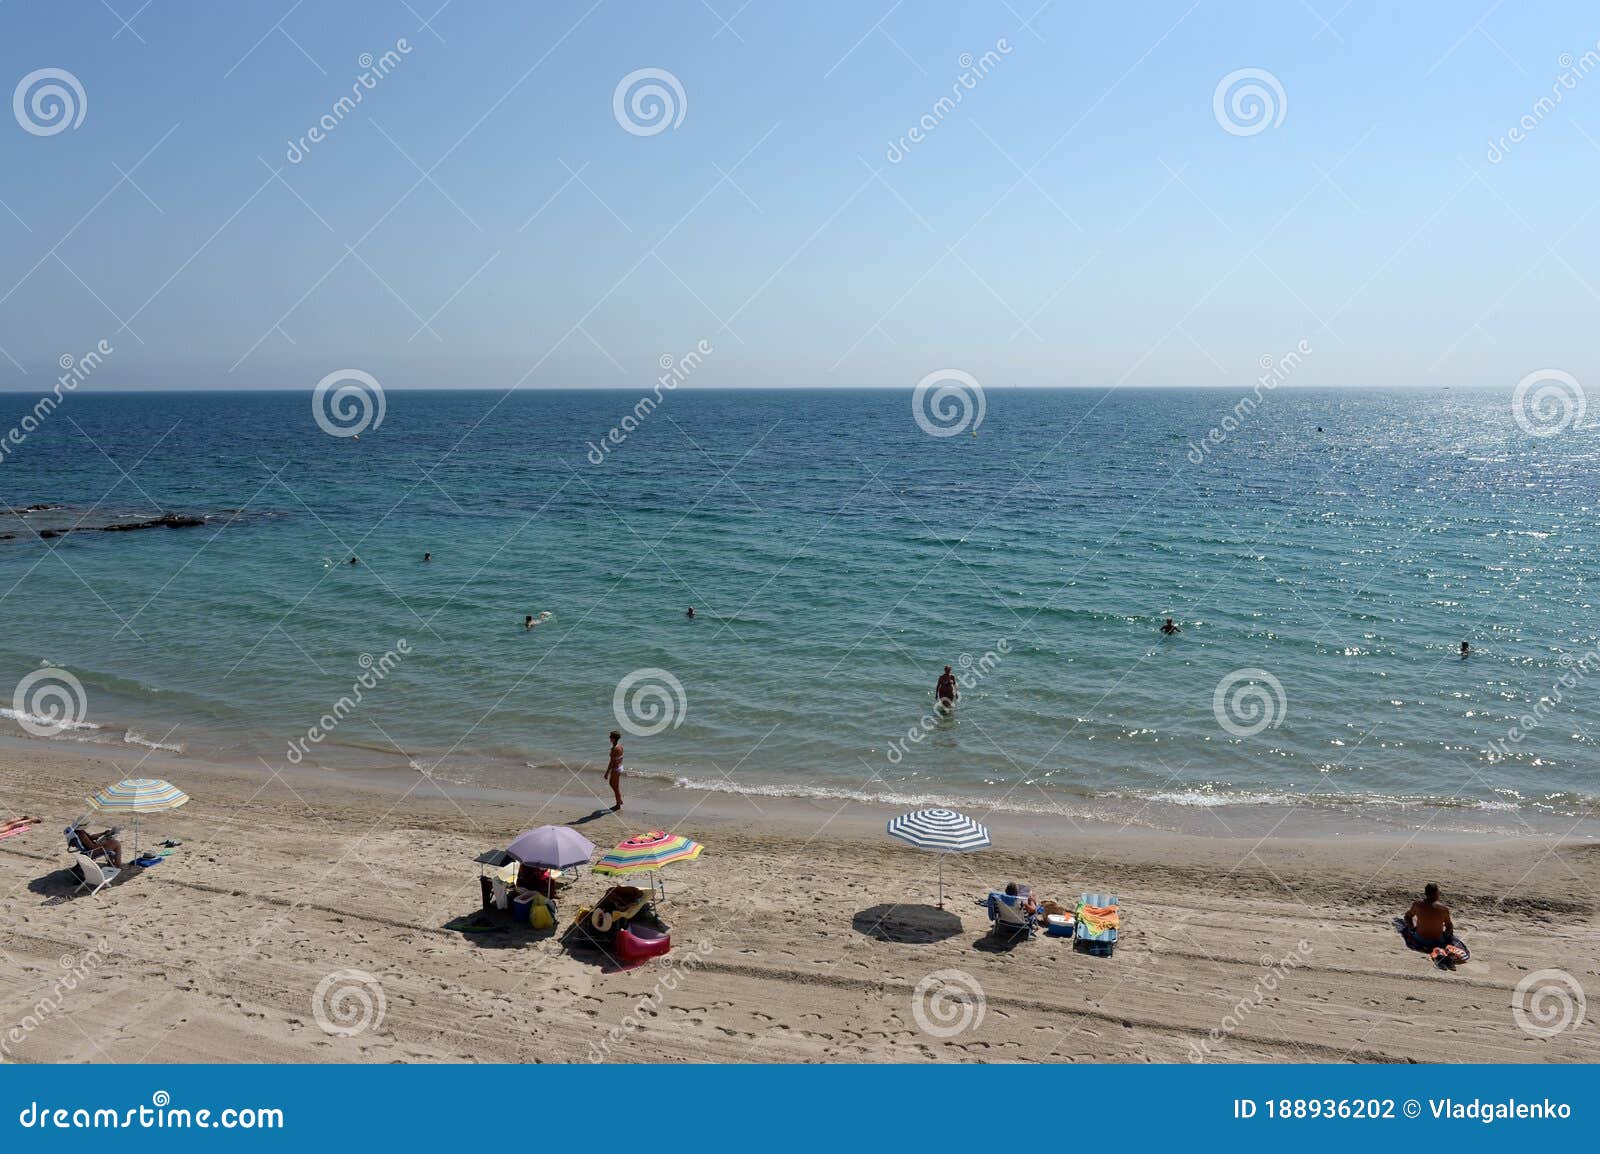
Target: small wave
x: 133, y: 738
x: 22, y: 717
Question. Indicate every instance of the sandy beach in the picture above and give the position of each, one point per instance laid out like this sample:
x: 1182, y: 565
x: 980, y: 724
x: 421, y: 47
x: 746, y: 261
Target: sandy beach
x: 801, y: 935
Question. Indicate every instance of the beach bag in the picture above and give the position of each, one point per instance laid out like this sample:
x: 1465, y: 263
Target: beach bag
x: 542, y: 915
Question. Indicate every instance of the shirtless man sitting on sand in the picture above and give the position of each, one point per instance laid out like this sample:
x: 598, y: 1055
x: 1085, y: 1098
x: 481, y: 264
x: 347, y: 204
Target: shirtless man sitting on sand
x: 1428, y: 920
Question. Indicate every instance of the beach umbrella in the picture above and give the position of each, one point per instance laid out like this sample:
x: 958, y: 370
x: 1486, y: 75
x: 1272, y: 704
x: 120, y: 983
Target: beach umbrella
x: 942, y: 831
x: 556, y: 847
x: 648, y: 852
x: 137, y: 795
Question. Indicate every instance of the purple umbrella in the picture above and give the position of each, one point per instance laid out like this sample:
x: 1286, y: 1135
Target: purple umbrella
x: 551, y: 847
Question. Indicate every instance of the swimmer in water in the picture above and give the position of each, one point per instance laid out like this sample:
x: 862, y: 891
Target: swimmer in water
x: 1169, y: 628
x: 354, y: 561
x: 1466, y: 651
x: 427, y: 556
x: 690, y: 614
x: 527, y: 622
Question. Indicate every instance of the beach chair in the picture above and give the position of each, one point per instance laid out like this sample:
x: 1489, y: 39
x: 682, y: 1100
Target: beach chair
x: 1010, y: 917
x: 94, y: 874
x: 1098, y: 920
x: 77, y: 844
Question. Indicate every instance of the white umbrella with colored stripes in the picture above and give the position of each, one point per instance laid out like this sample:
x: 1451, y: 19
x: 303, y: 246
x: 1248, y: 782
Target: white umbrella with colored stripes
x: 137, y: 795
x: 941, y: 830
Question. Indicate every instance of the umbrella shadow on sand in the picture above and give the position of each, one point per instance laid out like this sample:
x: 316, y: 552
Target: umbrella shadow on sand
x: 906, y: 924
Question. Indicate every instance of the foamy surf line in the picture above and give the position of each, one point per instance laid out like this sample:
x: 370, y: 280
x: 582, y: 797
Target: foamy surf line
x: 56, y: 729
x: 1031, y: 803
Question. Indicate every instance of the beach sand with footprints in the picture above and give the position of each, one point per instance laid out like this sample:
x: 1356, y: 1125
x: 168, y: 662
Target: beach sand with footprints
x: 306, y: 919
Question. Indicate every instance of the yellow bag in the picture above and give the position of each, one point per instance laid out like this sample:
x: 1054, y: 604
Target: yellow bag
x: 540, y: 917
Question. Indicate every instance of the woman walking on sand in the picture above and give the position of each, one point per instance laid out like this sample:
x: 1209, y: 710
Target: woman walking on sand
x: 614, y: 770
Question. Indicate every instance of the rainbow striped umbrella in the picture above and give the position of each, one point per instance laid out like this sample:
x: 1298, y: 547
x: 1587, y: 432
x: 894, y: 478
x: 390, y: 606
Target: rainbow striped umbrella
x: 138, y: 795
x: 648, y: 851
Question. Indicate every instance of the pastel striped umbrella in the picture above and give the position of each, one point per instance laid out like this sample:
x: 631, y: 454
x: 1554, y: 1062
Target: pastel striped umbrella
x: 648, y: 851
x: 941, y: 830
x: 138, y: 795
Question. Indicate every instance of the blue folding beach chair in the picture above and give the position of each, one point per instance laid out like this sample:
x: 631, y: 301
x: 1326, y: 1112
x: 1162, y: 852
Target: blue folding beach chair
x: 1010, y: 916
x: 1092, y: 935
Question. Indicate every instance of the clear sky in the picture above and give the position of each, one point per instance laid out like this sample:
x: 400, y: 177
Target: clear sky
x: 1081, y: 217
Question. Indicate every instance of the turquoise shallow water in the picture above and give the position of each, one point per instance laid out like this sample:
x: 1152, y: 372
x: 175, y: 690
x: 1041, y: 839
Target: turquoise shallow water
x: 837, y: 556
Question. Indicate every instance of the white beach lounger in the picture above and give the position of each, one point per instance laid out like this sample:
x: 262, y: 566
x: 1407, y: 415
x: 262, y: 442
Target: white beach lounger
x: 94, y: 874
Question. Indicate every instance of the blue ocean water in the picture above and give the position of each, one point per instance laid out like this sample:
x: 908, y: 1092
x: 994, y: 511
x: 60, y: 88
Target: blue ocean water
x: 1324, y: 558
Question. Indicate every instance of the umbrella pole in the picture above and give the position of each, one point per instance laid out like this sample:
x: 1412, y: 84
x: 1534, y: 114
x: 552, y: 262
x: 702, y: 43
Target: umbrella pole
x: 941, y: 881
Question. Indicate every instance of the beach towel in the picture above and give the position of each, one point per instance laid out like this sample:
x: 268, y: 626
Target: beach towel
x: 1098, y: 920
x: 1447, y: 956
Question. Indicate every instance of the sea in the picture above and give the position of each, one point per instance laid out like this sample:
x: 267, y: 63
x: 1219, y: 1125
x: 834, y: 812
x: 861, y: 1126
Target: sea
x: 1324, y: 553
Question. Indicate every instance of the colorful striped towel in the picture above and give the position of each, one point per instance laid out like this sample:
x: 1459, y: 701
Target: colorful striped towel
x: 1098, y: 920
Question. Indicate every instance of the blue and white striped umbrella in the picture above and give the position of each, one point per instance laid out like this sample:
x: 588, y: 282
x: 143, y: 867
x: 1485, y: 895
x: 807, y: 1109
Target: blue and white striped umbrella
x: 944, y: 830
x: 941, y: 830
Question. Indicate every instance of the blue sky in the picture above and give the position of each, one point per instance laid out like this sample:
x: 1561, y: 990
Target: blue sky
x: 1081, y: 218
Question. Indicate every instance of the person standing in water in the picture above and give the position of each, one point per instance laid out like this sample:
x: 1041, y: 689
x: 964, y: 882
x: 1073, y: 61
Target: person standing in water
x: 1466, y: 651
x: 1170, y: 628
x: 614, y: 770
x: 690, y: 614
x: 945, y: 691
x: 427, y: 556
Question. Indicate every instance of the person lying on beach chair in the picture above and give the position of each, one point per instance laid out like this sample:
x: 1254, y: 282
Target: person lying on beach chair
x: 80, y: 840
